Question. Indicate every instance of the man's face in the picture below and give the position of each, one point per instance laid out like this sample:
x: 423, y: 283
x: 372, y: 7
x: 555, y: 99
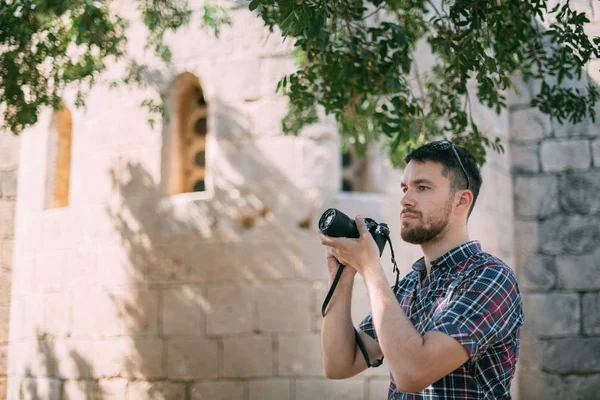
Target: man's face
x: 427, y: 203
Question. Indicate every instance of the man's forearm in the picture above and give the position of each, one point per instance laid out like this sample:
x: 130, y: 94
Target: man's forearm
x: 337, y: 335
x: 400, y: 342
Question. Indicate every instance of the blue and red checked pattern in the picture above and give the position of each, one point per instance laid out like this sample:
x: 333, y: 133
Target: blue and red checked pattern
x: 473, y: 297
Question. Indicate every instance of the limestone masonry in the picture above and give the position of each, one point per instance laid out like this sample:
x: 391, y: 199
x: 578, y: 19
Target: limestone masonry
x: 127, y: 284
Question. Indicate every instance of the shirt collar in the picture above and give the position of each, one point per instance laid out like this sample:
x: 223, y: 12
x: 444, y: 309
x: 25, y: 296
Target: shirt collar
x: 451, y: 258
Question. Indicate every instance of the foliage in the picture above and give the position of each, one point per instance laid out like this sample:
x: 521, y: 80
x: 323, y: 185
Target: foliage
x: 49, y: 45
x: 356, y: 60
x: 358, y: 65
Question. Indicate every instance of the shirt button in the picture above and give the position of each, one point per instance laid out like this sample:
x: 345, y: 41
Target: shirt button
x: 444, y: 269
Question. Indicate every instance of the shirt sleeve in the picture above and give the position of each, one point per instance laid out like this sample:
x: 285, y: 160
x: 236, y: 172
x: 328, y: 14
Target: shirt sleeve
x: 367, y: 326
x: 482, y: 310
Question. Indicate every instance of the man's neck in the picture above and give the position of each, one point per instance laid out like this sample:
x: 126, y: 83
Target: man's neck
x: 436, y: 248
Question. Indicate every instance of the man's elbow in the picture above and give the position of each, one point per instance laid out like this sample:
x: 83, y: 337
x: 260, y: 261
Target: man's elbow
x: 409, y: 382
x: 334, y: 373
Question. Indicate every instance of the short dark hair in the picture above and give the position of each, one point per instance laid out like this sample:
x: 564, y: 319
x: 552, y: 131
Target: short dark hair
x: 452, y: 169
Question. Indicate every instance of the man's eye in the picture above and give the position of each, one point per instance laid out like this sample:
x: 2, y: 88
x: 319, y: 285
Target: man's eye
x: 423, y: 188
x: 404, y: 189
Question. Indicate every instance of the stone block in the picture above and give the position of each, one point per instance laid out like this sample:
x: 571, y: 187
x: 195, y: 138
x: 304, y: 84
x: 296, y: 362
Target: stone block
x: 74, y: 358
x: 229, y: 121
x: 311, y: 389
x: 8, y: 184
x: 536, y: 196
x: 189, y: 359
x: 524, y: 157
x: 553, y: 315
x: 248, y: 260
x: 529, y: 125
x: 593, y: 66
x: 50, y: 271
x: 56, y: 314
x: 578, y: 272
x: 313, y: 260
x: 138, y: 358
x: 537, y: 271
x: 230, y: 309
x: 118, y: 267
x: 6, y: 254
x: 183, y: 311
x: 269, y: 260
x: 567, y: 129
x: 86, y: 323
x: 520, y: 94
x: 41, y: 388
x: 3, y: 360
x: 3, y: 388
x: 247, y: 357
x: 526, y: 236
x: 565, y: 155
x: 78, y: 390
x: 578, y: 192
x: 213, y: 262
x: 591, y: 316
x: 218, y: 390
x: 570, y: 355
x: 155, y: 391
x: 110, y: 389
x: 568, y: 387
x: 168, y: 261
x: 7, y: 219
x: 284, y: 307
x: 569, y: 234
x: 4, y: 319
x: 13, y: 388
x: 300, y: 356
x: 596, y: 153
x: 5, y: 286
x: 378, y: 388
x: 270, y: 389
x: 117, y: 313
x: 82, y: 269
x: 137, y: 311
x: 9, y: 152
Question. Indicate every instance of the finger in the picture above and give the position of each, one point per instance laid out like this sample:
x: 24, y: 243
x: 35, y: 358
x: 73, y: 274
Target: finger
x: 361, y: 225
x: 325, y: 240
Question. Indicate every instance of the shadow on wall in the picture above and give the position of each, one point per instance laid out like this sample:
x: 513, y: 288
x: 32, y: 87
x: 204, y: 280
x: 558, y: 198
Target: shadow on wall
x: 204, y: 268
x: 48, y: 368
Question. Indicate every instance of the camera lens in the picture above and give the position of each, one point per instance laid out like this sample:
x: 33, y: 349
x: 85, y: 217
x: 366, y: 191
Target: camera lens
x: 326, y: 219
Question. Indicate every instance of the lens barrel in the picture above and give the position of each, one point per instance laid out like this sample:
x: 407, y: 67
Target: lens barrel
x: 335, y: 223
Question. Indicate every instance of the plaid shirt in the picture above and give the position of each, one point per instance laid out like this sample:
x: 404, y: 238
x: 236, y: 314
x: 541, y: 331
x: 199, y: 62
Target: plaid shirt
x: 473, y: 297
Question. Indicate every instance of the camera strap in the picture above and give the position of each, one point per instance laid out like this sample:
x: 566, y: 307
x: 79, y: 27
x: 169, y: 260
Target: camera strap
x: 334, y: 284
x: 359, y: 341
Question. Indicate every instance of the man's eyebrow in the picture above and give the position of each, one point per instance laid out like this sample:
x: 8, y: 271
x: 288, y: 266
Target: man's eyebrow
x: 419, y: 182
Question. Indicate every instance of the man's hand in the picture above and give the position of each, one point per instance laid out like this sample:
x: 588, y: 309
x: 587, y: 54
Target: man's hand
x: 333, y: 265
x: 361, y: 254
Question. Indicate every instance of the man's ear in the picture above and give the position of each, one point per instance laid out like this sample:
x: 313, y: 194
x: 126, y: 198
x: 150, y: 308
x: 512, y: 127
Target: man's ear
x: 465, y: 200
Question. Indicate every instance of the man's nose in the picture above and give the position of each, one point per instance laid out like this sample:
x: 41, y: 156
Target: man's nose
x: 408, y: 200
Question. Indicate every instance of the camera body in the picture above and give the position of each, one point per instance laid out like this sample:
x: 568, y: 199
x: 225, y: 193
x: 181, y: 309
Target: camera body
x: 335, y: 223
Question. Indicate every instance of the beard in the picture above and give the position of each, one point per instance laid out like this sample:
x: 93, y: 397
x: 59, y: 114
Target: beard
x: 428, y: 229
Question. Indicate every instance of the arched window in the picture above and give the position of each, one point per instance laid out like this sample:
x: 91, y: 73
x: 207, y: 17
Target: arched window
x: 184, y: 156
x: 58, y: 168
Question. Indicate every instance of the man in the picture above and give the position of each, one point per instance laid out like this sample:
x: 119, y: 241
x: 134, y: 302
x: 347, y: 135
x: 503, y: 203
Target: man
x: 451, y: 330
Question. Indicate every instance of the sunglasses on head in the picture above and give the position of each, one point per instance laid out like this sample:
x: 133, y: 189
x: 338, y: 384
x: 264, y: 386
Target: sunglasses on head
x: 447, y: 145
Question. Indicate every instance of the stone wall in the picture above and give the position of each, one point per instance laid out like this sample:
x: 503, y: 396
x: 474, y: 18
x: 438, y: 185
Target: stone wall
x: 556, y: 176
x: 8, y: 188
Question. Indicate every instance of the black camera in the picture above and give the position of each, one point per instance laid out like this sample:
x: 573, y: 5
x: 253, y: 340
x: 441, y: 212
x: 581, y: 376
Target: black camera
x: 335, y: 223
